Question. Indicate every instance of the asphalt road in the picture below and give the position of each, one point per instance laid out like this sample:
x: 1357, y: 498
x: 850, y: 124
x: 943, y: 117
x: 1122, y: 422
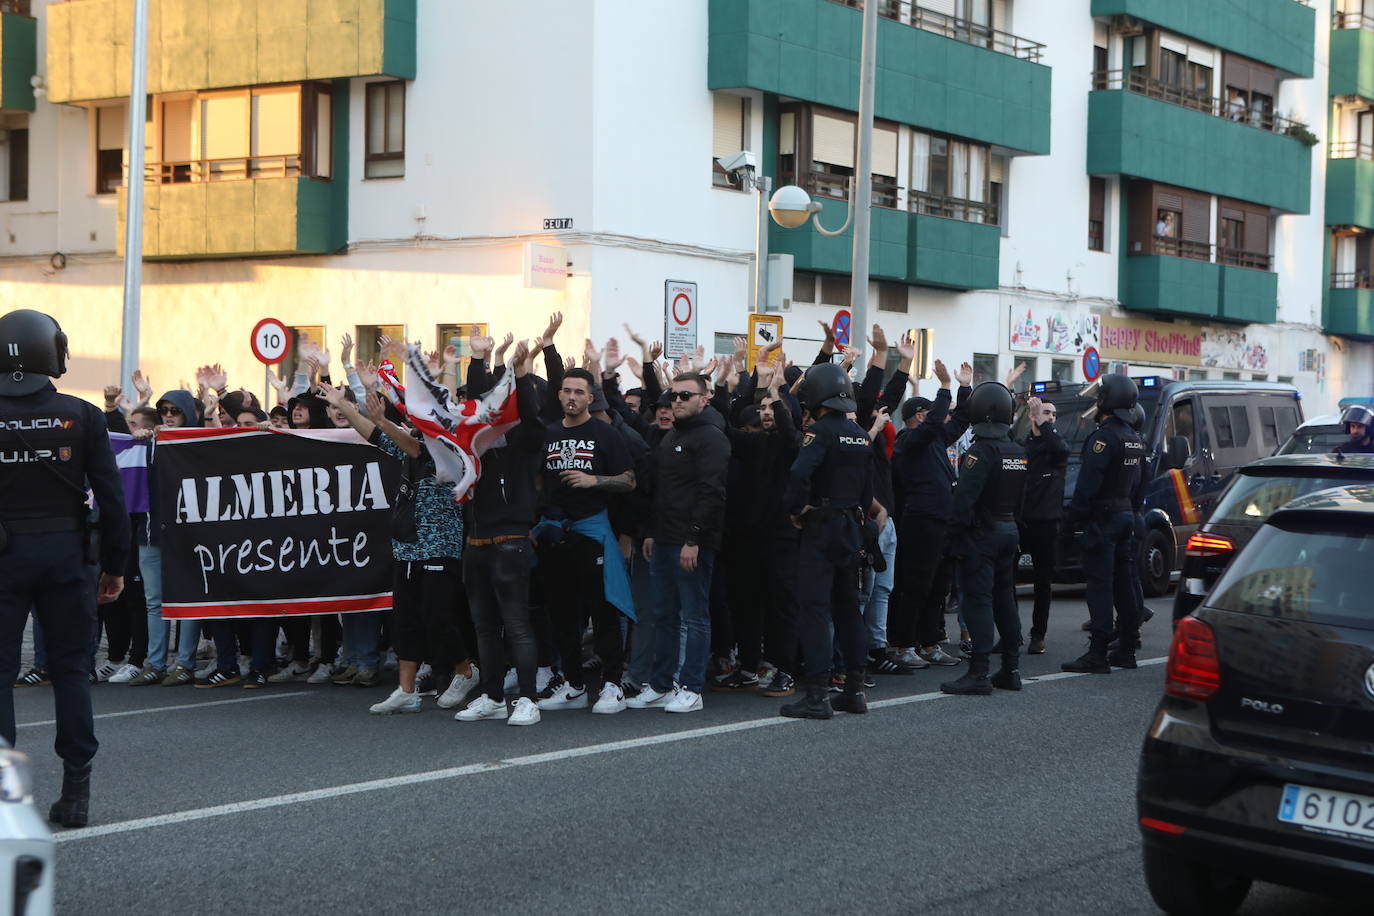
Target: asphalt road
x: 292, y: 799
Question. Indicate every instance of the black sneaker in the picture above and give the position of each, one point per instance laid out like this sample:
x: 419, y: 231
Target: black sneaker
x: 837, y: 682
x: 735, y: 681
x: 886, y: 664
x: 219, y: 679
x: 36, y: 677
x: 869, y: 682
x: 551, y: 688
x: 428, y: 685
x: 781, y: 685
x: 254, y: 680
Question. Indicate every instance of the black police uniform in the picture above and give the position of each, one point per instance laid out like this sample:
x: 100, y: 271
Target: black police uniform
x: 833, y: 474
x: 51, y: 447
x: 1109, y: 471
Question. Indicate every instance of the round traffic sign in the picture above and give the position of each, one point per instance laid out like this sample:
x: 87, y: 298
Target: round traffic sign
x: 270, y: 340
x: 686, y: 300
x: 1092, y: 364
x: 841, y: 327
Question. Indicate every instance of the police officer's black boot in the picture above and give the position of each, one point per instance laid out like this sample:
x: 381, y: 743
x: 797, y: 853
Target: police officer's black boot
x: 852, y: 700
x: 815, y: 703
x: 1094, y: 661
x: 975, y: 680
x: 1123, y: 656
x: 1008, y: 677
x: 72, y: 809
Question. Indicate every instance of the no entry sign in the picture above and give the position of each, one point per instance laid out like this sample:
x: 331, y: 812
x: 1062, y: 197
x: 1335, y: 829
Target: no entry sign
x: 270, y: 341
x: 679, y: 318
x: 842, y: 327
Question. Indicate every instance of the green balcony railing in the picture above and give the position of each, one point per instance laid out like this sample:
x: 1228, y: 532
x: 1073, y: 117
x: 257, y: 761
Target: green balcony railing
x: 1352, y: 55
x: 1280, y: 33
x: 1349, y: 310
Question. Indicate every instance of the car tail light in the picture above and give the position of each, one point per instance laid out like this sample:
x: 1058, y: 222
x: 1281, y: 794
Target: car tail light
x: 1162, y: 826
x: 1194, y: 671
x: 1209, y: 545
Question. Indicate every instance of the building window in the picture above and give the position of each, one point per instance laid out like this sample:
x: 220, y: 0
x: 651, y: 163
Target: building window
x: 299, y: 335
x: 1197, y: 375
x: 1231, y: 377
x: 111, y: 136
x: 456, y: 336
x: 1243, y: 234
x: 985, y: 368
x: 1061, y: 370
x: 386, y: 130
x: 803, y: 286
x: 1285, y: 379
x: 368, y: 350
x: 1250, y: 91
x: 729, y: 135
x: 892, y: 297
x: 816, y: 150
x: 835, y: 290
x: 14, y: 150
x: 951, y: 178
x: 1097, y: 214
x: 1170, y: 221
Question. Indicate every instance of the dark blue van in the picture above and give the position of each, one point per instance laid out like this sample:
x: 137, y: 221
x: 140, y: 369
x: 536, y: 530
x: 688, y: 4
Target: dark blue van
x: 1197, y: 433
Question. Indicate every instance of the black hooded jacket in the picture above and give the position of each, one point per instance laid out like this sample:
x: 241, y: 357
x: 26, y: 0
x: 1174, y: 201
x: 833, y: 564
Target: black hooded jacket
x: 689, y: 490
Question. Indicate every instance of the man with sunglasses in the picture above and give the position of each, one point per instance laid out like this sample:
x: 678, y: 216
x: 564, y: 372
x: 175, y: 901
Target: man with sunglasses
x: 52, y: 447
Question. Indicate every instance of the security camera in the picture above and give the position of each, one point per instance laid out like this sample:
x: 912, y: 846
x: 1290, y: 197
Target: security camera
x: 736, y: 161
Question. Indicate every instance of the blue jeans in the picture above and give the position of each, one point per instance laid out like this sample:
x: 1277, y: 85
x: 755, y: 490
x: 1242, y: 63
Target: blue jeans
x: 361, y: 635
x: 877, y: 589
x: 150, y: 566
x: 682, y: 625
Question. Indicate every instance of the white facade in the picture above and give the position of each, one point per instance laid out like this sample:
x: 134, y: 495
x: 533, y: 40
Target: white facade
x: 597, y: 111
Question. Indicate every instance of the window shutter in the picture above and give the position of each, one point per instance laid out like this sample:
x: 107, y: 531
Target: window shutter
x: 1257, y: 231
x: 997, y: 171
x: 1237, y: 73
x: 832, y: 141
x: 920, y: 161
x: 1196, y: 219
x: 111, y: 132
x: 727, y: 133
x: 885, y: 151
x: 1232, y: 213
x: 1201, y: 55
x: 939, y: 6
x: 1097, y: 198
x: 1169, y: 43
x: 787, y: 134
x: 1166, y: 201
x: 1000, y: 21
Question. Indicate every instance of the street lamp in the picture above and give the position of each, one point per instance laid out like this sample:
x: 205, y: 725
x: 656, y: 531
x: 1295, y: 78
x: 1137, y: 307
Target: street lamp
x: 791, y: 207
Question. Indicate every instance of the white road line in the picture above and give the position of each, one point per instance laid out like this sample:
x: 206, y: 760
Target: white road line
x: 471, y: 769
x: 144, y: 712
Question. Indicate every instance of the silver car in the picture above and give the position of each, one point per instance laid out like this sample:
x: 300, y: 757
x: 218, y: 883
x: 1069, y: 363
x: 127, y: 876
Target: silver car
x: 26, y: 846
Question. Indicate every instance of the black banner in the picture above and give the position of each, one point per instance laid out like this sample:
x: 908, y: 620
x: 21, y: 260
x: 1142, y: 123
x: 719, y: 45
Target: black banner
x: 266, y: 523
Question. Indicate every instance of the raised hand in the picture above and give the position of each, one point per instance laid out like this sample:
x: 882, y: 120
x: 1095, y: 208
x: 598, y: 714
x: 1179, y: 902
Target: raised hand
x: 906, y: 346
x: 850, y: 355
x: 479, y: 345
x: 346, y: 349
x: 942, y: 374
x: 451, y: 356
x: 569, y: 363
x: 768, y: 373
x: 323, y: 356
x: 376, y: 407
x: 125, y: 405
x: 367, y: 376
x: 590, y: 354
x: 709, y: 368
x: 555, y: 322
x: 435, y: 362
x: 500, y: 357
x: 630, y: 332
x: 741, y: 356
x: 112, y: 396
x: 964, y: 376
x: 829, y: 343
x: 390, y: 349
x: 878, y: 339
x: 143, y: 386
x: 520, y: 359
x: 655, y: 351
x: 1015, y: 374
x: 281, y: 385
x: 612, y: 357
x: 308, y: 349
x: 881, y: 419
x: 216, y: 377
x: 699, y: 357
x: 333, y: 396
x: 636, y: 369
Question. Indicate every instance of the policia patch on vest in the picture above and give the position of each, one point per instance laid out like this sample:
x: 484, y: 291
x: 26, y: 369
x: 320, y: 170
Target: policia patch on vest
x: 1099, y: 446
x: 970, y: 460
x: 808, y: 439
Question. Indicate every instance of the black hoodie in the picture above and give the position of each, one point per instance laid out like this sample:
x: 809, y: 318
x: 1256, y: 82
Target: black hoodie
x: 689, y: 494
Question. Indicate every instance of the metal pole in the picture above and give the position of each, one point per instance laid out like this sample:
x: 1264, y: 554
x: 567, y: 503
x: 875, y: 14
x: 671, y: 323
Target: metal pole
x: 863, y: 176
x: 133, y: 214
x: 764, y: 186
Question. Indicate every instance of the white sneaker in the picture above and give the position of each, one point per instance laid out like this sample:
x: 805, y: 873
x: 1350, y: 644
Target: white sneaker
x: 399, y: 701
x: 484, y: 707
x: 566, y: 697
x: 611, y: 701
x: 542, y: 678
x: 323, y: 672
x: 458, y: 688
x: 685, y: 701
x: 649, y: 698
x: 125, y: 674
x: 291, y: 672
x: 524, y: 713
x: 106, y: 671
x: 512, y: 683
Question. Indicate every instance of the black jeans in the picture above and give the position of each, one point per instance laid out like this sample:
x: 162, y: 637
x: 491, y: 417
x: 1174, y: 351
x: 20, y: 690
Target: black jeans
x: 427, y: 599
x: 745, y: 562
x: 1108, y: 566
x: 497, y: 579
x: 260, y: 633
x: 574, y: 589
x: 925, y: 583
x: 126, y: 619
x: 298, y: 634
x: 48, y: 573
x: 1040, y: 539
x: 828, y: 593
x: 780, y: 618
x: 987, y: 588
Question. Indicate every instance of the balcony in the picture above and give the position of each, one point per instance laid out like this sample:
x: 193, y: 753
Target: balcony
x: 1178, y: 277
x: 938, y: 73
x: 1280, y: 33
x: 1144, y: 129
x: 1350, y: 185
x: 1352, y: 55
x: 18, y: 55
x: 1349, y: 308
x: 909, y: 247
x: 244, y: 43
x: 251, y: 217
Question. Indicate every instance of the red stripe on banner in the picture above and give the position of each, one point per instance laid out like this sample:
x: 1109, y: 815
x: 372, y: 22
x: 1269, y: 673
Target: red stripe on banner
x: 276, y: 608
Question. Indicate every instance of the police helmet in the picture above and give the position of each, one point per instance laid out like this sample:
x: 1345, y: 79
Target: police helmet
x: 1358, y: 413
x: 990, y: 409
x: 1137, y: 420
x: 1116, y: 395
x: 827, y: 385
x: 33, y: 350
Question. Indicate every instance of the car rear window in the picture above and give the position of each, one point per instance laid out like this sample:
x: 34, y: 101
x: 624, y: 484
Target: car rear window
x: 1302, y: 572
x: 1255, y: 497
x: 1317, y: 441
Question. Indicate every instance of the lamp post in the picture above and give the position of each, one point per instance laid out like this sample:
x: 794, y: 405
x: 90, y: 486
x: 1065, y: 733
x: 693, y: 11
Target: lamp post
x: 133, y: 214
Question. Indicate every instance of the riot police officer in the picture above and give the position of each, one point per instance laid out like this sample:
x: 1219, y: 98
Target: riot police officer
x: 984, y: 534
x: 829, y: 493
x: 52, y: 447
x: 1108, y: 476
x: 1358, y: 420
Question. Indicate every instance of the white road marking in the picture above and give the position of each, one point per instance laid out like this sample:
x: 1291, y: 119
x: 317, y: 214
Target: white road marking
x: 144, y: 712
x: 471, y: 769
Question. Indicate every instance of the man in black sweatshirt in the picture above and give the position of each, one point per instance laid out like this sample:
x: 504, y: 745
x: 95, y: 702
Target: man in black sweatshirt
x: 920, y: 458
x: 1043, y: 506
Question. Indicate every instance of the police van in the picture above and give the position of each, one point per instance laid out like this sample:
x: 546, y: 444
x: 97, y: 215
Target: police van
x: 1196, y: 434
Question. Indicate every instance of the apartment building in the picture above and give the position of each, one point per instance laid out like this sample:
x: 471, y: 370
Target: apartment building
x: 1183, y: 187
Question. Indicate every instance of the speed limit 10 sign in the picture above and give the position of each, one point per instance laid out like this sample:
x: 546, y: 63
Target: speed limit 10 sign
x: 270, y: 341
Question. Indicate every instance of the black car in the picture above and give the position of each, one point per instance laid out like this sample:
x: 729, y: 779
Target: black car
x: 1259, y: 763
x: 1256, y: 491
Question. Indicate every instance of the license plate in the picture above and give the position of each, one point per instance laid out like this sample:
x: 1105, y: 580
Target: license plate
x: 1025, y: 561
x: 1327, y: 811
